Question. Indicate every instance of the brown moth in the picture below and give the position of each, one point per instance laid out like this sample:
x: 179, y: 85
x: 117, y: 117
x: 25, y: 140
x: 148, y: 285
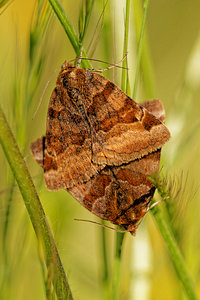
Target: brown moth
x: 101, y: 146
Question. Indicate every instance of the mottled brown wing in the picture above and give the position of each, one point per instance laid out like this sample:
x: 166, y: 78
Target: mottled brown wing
x: 122, y: 194
x: 91, y: 123
x: 121, y: 130
x: 67, y: 154
x: 156, y: 108
x: 125, y: 131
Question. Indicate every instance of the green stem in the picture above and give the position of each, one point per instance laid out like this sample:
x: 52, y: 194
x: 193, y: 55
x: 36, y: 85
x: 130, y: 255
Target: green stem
x: 125, y: 82
x: 70, y: 31
x: 146, y: 61
x: 146, y: 3
x: 34, y: 209
x: 105, y: 274
x: 117, y: 265
x: 175, y: 253
x: 120, y: 236
x: 163, y: 226
x: 7, y: 218
x: 84, y: 19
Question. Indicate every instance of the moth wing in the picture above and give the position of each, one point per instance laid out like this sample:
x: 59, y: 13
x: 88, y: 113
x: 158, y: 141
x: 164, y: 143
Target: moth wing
x: 156, y: 108
x: 120, y: 194
x: 122, y: 130
x: 37, y: 150
x: 67, y: 151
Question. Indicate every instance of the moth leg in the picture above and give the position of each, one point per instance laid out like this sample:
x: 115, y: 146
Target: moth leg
x: 157, y: 202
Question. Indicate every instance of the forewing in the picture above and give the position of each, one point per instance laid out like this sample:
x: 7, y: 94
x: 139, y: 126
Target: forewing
x: 67, y: 154
x: 122, y: 130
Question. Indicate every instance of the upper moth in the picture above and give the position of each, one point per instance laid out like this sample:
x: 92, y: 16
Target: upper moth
x: 101, y: 146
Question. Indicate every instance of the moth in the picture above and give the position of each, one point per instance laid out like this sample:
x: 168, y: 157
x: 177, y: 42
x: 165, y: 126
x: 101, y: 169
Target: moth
x: 101, y: 146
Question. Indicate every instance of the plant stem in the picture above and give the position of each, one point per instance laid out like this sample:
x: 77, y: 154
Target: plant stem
x: 146, y: 3
x: 124, y: 84
x: 117, y: 265
x: 146, y: 61
x: 105, y: 274
x: 34, y: 208
x: 175, y: 254
x: 120, y: 236
x: 69, y: 29
x: 163, y: 225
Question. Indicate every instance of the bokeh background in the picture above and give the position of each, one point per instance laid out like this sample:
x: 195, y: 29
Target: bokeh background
x: 173, y: 35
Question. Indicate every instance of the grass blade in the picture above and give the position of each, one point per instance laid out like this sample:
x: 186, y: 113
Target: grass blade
x: 34, y: 209
x: 117, y: 265
x: 69, y: 29
x: 146, y: 3
x: 148, y: 76
x: 175, y: 254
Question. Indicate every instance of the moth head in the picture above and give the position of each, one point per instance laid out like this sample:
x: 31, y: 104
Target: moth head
x: 72, y: 81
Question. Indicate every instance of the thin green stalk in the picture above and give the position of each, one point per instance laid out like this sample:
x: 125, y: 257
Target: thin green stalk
x: 170, y: 241
x: 162, y: 224
x: 146, y: 3
x: 84, y: 18
x: 117, y: 265
x: 105, y: 273
x: 125, y: 82
x: 34, y: 209
x: 7, y: 217
x: 120, y: 236
x: 148, y: 76
x: 69, y: 29
x: 175, y: 254
x: 24, y: 87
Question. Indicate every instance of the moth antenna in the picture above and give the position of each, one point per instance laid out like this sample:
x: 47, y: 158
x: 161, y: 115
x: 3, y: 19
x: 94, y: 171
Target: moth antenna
x: 105, y: 62
x: 101, y: 61
x: 113, y: 65
x: 106, y: 226
x: 44, y: 92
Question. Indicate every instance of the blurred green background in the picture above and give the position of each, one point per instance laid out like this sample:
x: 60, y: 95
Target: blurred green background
x: 173, y: 34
